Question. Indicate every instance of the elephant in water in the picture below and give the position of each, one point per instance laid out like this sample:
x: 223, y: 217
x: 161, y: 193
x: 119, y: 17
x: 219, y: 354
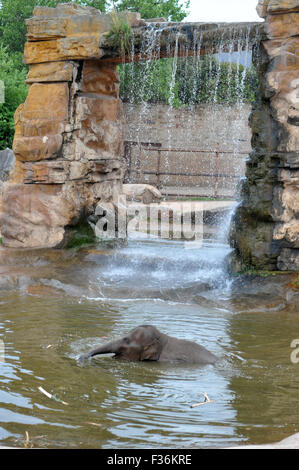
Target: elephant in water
x: 146, y: 343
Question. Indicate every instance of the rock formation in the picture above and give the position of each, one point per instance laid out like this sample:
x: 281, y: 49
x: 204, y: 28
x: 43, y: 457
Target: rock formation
x: 144, y: 193
x: 266, y: 226
x: 68, y: 138
x: 68, y: 134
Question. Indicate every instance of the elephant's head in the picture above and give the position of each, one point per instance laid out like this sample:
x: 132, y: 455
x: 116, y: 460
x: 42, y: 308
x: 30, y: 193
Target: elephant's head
x: 144, y: 343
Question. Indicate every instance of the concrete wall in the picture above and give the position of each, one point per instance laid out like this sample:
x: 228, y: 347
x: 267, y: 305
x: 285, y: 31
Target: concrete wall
x: 199, y: 129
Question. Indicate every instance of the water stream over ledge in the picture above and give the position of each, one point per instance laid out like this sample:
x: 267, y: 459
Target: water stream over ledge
x: 54, y: 305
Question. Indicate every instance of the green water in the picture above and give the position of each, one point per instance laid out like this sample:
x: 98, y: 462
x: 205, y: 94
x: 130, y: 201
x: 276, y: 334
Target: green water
x: 56, y: 305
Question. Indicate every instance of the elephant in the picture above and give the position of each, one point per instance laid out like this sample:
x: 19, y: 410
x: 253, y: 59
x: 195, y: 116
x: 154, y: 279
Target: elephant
x: 147, y: 343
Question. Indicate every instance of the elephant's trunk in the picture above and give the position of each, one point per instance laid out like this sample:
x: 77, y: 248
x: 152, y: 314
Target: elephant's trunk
x: 111, y: 347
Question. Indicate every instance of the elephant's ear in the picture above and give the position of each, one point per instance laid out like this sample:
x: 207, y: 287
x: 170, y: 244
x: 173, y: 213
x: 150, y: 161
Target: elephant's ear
x: 152, y: 351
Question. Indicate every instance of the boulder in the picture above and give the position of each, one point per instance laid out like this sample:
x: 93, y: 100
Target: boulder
x: 51, y: 72
x: 35, y: 216
x: 291, y: 442
x: 266, y: 7
x: 144, y: 193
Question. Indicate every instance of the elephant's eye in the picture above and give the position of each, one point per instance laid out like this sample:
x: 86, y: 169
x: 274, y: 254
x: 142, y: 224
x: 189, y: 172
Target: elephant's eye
x: 126, y: 340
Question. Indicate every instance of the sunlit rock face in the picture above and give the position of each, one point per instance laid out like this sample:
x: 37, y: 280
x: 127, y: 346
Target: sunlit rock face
x: 266, y: 227
x: 68, y: 139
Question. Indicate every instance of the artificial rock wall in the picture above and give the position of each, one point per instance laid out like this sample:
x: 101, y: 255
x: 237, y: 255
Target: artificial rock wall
x: 266, y: 226
x: 68, y: 139
x: 69, y: 132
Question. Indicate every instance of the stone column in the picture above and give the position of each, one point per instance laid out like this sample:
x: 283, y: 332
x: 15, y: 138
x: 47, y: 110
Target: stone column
x: 265, y: 231
x: 68, y: 139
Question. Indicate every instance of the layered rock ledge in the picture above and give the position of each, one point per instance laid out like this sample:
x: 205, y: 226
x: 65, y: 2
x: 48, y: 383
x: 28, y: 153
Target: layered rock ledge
x: 266, y: 226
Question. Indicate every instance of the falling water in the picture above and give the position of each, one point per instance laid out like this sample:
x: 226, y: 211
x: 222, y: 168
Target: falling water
x: 171, y: 103
x: 194, y: 78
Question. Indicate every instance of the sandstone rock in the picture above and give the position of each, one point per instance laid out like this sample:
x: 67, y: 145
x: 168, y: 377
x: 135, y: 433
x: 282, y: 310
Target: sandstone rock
x: 37, y: 148
x: 69, y: 131
x: 40, y: 122
x: 61, y: 171
x: 288, y: 260
x: 282, y: 26
x: 156, y: 20
x: 100, y: 78
x: 97, y: 171
x: 37, y: 127
x: 284, y: 49
x: 41, y: 29
x: 68, y: 32
x: 55, y: 172
x: 35, y: 216
x: 46, y: 28
x: 69, y: 48
x: 99, y: 120
x: 275, y: 6
x: 51, y: 72
x: 144, y: 193
x: 108, y: 222
x: 74, y: 10
x: 288, y: 232
x: 64, y: 9
x: 286, y: 203
x: 46, y: 101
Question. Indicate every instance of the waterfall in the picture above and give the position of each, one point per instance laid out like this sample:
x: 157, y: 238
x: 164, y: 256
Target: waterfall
x: 190, y: 78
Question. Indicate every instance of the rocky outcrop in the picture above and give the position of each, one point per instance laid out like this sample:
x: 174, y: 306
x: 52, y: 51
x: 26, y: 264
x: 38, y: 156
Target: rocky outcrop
x: 266, y: 227
x: 68, y: 32
x: 68, y: 140
x: 144, y: 193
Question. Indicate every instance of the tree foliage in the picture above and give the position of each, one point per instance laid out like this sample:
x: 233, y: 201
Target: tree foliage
x: 212, y: 81
x: 171, y: 10
x: 13, y: 75
x: 196, y: 81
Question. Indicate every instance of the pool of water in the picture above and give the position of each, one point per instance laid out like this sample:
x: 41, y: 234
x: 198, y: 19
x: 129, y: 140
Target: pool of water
x: 55, y: 305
